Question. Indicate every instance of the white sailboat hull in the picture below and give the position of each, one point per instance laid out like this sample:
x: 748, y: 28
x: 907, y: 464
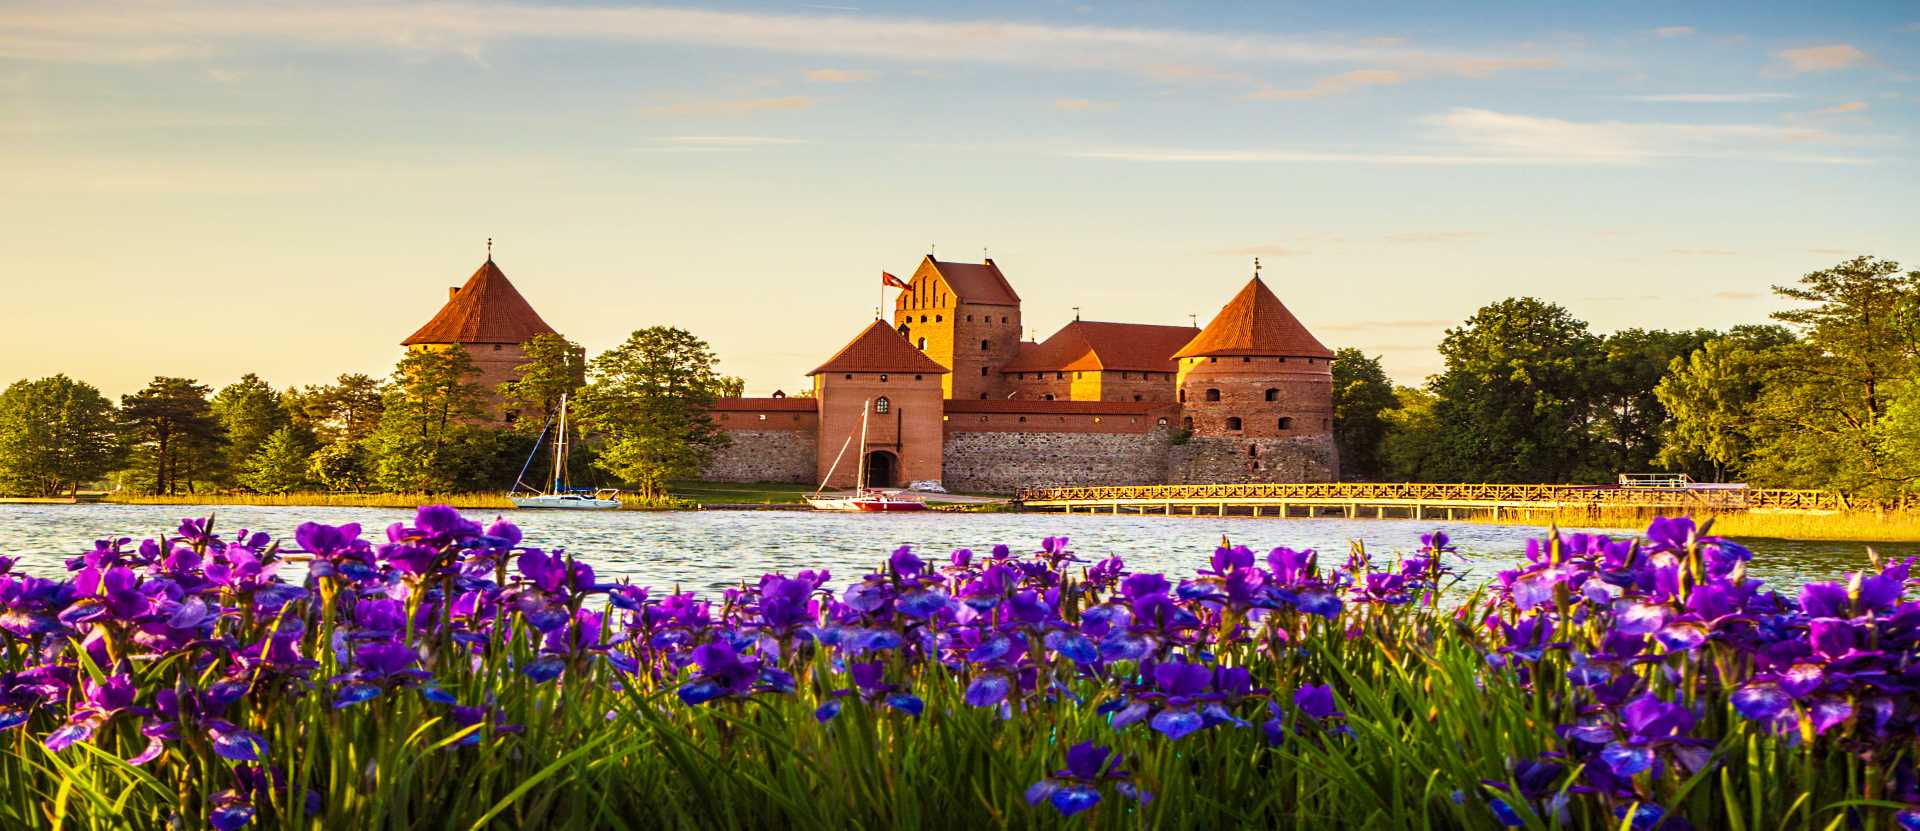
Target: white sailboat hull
x: 569, y: 502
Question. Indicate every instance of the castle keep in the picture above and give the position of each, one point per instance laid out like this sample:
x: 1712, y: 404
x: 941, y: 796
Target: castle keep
x: 950, y: 393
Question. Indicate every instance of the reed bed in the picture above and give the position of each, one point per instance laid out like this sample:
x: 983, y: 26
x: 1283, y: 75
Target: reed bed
x: 1851, y: 526
x: 451, y: 676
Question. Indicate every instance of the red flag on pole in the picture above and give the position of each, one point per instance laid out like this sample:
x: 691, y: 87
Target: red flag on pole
x: 890, y: 280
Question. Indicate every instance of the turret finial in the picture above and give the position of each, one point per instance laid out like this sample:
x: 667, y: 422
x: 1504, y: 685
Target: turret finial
x: 489, y: 249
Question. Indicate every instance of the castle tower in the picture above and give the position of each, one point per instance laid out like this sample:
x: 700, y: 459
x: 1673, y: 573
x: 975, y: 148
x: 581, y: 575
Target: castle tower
x: 487, y: 317
x: 1258, y: 394
x: 966, y: 316
x: 898, y: 389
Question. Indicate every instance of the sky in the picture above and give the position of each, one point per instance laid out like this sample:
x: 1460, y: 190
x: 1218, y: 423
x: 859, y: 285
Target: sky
x: 205, y: 189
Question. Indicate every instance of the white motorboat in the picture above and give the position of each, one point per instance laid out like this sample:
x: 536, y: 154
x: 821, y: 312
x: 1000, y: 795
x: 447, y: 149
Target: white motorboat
x: 558, y: 493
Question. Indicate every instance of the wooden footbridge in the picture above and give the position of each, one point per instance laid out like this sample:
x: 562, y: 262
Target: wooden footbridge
x: 1419, y: 500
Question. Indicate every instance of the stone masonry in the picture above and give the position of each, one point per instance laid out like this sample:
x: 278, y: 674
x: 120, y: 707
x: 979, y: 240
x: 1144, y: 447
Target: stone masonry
x: 1003, y: 462
x: 765, y: 456
x: 1216, y: 460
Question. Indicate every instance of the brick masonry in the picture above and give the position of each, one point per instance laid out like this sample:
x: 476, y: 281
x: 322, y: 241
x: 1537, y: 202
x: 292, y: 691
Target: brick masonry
x: 1003, y: 462
x: 765, y: 456
x: 1216, y: 460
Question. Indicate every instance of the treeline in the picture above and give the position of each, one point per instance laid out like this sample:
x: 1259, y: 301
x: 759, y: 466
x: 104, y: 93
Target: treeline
x: 1824, y: 396
x: 639, y: 410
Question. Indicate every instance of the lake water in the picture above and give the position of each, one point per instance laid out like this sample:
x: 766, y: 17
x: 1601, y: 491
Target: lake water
x: 713, y: 549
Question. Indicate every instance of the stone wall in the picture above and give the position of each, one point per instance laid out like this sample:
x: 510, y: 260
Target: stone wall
x: 765, y: 456
x: 1218, y: 460
x: 1003, y: 462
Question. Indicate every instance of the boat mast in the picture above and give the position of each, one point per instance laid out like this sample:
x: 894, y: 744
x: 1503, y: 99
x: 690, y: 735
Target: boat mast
x: 560, y: 447
x: 860, y: 481
x: 836, y: 464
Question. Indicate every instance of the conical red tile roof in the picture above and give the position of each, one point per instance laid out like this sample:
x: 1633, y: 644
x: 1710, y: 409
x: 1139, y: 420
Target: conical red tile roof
x: 879, y: 348
x: 488, y: 309
x: 1254, y: 323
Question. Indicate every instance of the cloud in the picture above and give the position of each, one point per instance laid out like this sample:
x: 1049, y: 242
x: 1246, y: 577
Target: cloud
x: 729, y: 141
x: 1074, y: 105
x: 734, y: 106
x: 1436, y: 236
x: 837, y: 76
x: 1821, y: 58
x: 1837, y: 109
x: 1269, y: 249
x: 1713, y: 97
x: 92, y: 30
x: 1185, y: 154
x: 1333, y: 85
x: 1673, y: 31
x: 1702, y: 252
x: 1540, y: 138
x: 1737, y: 295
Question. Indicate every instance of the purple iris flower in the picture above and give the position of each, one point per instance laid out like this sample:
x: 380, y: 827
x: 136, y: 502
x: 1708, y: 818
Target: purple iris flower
x: 1316, y: 701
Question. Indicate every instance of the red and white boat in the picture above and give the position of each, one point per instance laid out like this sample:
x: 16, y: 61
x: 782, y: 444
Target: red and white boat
x: 863, y: 498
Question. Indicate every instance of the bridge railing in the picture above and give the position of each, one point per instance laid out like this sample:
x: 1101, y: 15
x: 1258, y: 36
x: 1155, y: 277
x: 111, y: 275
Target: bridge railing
x: 1569, y: 496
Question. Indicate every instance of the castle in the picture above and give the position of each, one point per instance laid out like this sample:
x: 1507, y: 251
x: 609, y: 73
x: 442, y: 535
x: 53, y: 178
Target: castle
x: 950, y: 393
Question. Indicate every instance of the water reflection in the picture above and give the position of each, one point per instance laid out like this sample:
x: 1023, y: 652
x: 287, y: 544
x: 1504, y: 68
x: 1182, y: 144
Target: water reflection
x: 711, y: 550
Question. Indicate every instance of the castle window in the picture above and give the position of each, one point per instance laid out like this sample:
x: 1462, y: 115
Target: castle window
x: 1326, y: 422
x: 1283, y: 360
x: 923, y: 318
x: 1309, y: 360
x: 1048, y: 396
x: 937, y: 318
x: 916, y: 377
x: 1233, y: 422
x: 983, y: 372
x: 1023, y: 419
x: 763, y: 416
x: 1213, y: 395
x: 1136, y: 396
x: 983, y: 396
x: 969, y: 318
x: 1187, y: 422
x: 1076, y: 376
x: 1213, y: 360
x: 984, y: 346
x: 922, y: 343
x: 1059, y: 376
x: 1246, y: 359
x: 1286, y: 423
x: 1273, y: 395
x: 849, y: 376
x: 1003, y: 318
x: 906, y: 331
x: 1183, y: 396
x: 881, y: 405
x: 1096, y: 419
x: 496, y: 347
x: 1160, y: 422
x: 1253, y: 451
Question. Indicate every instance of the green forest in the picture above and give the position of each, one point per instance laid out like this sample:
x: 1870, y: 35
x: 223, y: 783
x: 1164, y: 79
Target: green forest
x: 1821, y: 396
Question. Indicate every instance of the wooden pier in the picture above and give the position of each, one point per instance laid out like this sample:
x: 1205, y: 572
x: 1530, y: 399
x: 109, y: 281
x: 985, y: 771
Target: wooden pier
x: 1416, y: 500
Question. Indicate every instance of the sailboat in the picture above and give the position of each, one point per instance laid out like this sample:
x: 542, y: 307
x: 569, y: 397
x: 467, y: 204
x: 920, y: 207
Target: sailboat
x: 557, y: 494
x: 863, y: 498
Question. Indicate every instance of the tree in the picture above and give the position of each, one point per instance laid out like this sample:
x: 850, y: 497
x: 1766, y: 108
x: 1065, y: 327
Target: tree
x: 1412, y: 436
x: 555, y: 367
x: 341, y: 466
x: 1709, y: 397
x: 1629, y: 416
x: 730, y: 386
x: 249, y: 411
x: 345, y: 411
x: 55, y: 434
x: 1821, y: 415
x: 647, y: 408
x: 431, y: 394
x: 176, y: 439
x: 1515, y: 397
x: 280, y: 465
x: 1361, y: 394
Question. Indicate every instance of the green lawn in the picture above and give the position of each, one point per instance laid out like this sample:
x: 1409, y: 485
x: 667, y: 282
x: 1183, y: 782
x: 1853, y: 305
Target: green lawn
x: 754, y: 493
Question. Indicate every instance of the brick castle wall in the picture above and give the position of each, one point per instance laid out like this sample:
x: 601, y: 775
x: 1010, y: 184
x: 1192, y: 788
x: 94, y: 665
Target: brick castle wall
x: 765, y: 456
x: 1003, y: 462
x: 1226, y: 460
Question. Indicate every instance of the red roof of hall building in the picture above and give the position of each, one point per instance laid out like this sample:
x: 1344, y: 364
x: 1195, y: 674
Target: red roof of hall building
x: 879, y: 348
x: 977, y: 282
x: 487, y: 309
x: 1097, y: 345
x: 1255, y: 323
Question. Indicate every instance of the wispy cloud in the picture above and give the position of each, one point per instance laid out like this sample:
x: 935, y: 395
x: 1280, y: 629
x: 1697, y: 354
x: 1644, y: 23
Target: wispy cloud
x: 1333, y: 85
x: 173, y: 29
x: 1267, y: 249
x: 1673, y: 31
x: 1618, y: 142
x: 1821, y: 58
x: 733, y: 106
x: 1713, y: 97
x: 838, y: 76
x: 1075, y: 105
x: 729, y: 141
x: 1839, y: 109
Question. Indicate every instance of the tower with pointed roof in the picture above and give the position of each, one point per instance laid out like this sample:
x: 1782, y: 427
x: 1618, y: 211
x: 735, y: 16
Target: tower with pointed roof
x: 966, y: 316
x: 1257, y: 390
x: 490, y: 319
x: 897, y: 389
